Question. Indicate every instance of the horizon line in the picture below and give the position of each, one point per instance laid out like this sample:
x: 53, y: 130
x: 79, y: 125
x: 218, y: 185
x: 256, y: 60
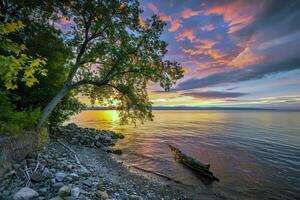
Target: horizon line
x: 196, y: 108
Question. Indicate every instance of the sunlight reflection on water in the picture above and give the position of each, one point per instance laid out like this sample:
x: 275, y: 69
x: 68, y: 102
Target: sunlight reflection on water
x: 256, y: 154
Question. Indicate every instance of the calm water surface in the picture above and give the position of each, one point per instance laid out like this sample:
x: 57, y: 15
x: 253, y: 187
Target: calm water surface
x: 256, y: 154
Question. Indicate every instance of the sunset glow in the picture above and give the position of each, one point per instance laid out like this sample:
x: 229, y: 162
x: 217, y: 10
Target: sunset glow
x: 233, y: 53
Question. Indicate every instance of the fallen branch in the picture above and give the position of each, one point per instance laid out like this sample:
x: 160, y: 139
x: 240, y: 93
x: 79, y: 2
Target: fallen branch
x: 76, y: 158
x: 192, y: 163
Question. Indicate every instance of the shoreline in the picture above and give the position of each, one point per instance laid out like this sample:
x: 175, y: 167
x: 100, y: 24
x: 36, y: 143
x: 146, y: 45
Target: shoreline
x: 56, y: 173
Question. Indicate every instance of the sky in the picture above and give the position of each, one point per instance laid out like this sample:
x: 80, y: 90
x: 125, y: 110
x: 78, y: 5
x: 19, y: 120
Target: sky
x: 235, y: 53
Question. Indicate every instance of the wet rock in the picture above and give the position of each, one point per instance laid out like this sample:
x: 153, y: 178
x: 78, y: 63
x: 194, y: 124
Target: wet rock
x: 25, y: 193
x: 117, y: 151
x: 59, y: 176
x: 37, y: 177
x: 64, y: 191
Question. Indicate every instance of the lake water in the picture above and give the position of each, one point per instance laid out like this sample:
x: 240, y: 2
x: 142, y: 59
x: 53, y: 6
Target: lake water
x: 256, y: 154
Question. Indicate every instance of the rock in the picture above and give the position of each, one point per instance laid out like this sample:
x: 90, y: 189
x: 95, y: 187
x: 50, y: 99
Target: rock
x: 64, y: 191
x: 56, y: 198
x: 74, y: 141
x: 134, y: 197
x: 37, y: 177
x: 117, y: 151
x: 74, y: 176
x: 98, y: 144
x: 59, y: 176
x: 43, y: 190
x: 16, y: 166
x: 25, y: 193
x: 72, y: 126
x: 102, y: 194
x: 75, y: 192
x: 57, y: 185
x: 88, y: 182
x: 47, y: 173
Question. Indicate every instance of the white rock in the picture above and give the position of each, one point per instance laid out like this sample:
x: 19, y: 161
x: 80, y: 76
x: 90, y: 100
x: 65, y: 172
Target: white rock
x: 59, y: 176
x: 25, y: 193
x: 75, y: 192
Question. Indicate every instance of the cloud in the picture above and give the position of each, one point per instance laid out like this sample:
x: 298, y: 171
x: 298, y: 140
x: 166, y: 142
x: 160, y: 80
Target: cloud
x: 214, y: 95
x: 208, y: 27
x: 153, y: 7
x: 175, y: 24
x: 188, y: 13
x: 185, y: 34
x: 237, y: 14
x: 237, y: 75
x: 246, y: 57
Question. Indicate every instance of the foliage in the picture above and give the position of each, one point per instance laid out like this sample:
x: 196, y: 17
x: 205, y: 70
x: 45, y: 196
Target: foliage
x: 64, y: 110
x: 14, y: 61
x: 115, y: 56
x: 13, y: 122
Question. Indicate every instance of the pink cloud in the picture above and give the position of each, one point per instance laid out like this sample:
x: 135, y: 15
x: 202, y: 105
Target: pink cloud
x: 153, y: 8
x: 175, y: 24
x: 188, y: 13
x: 237, y: 14
x: 186, y: 34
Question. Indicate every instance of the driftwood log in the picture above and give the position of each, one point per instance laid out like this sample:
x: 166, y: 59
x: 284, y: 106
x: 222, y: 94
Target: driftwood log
x: 196, y: 165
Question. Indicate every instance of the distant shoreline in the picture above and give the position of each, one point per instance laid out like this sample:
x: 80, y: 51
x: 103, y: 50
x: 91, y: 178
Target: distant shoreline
x: 200, y: 108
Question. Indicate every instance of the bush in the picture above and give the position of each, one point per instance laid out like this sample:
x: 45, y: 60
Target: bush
x: 16, y: 122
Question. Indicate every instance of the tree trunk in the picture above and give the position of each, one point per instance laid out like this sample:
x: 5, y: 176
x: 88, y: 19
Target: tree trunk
x: 51, y: 105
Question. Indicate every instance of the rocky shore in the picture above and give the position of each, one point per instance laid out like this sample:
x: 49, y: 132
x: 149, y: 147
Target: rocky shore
x: 75, y: 165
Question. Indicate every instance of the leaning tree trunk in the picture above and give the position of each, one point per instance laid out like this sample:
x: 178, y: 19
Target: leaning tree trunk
x: 51, y: 105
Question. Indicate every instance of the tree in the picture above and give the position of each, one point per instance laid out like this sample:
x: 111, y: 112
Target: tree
x: 115, y: 56
x: 15, y: 63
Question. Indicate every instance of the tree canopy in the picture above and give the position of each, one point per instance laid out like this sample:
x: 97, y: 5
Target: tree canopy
x: 112, y: 55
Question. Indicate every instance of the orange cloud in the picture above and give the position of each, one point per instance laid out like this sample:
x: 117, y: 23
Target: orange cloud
x: 237, y: 14
x: 175, y: 24
x: 188, y: 13
x: 186, y: 34
x: 245, y: 58
x: 164, y: 18
x: 215, y: 54
x: 205, y: 43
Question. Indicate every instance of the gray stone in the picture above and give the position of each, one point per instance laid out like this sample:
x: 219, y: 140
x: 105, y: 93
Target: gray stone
x: 37, y: 177
x: 47, y: 173
x: 56, y: 198
x: 75, y: 192
x: 88, y: 182
x: 74, y: 176
x: 59, y: 176
x: 134, y: 197
x: 43, y: 190
x: 64, y: 191
x: 25, y: 193
x: 16, y: 166
x: 57, y: 185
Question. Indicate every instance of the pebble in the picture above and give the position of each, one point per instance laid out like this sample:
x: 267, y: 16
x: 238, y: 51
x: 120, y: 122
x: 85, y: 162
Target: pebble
x: 64, y: 191
x: 59, y: 176
x: 25, y: 193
